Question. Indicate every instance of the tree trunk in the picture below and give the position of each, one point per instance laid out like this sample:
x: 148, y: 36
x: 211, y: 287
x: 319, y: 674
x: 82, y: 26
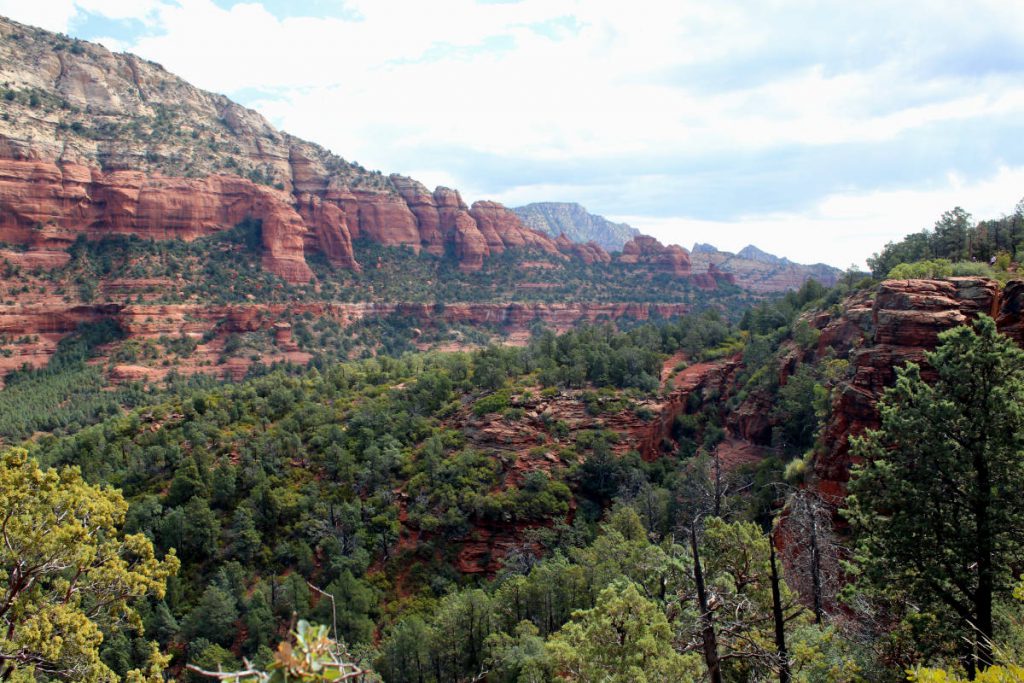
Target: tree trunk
x: 815, y: 566
x: 707, y: 619
x: 780, y: 619
x: 986, y: 578
x: 718, y: 484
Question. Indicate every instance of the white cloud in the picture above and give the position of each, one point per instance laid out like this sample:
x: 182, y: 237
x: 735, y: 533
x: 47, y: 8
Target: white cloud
x: 53, y: 15
x: 120, y: 9
x: 57, y: 15
x: 404, y: 74
x: 585, y: 96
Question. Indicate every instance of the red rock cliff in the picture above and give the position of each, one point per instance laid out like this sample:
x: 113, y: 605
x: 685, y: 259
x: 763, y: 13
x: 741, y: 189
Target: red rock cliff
x: 902, y: 322
x: 645, y: 250
x: 46, y: 205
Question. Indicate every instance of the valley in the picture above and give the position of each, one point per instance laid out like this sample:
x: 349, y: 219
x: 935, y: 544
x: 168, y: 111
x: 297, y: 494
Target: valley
x: 267, y: 415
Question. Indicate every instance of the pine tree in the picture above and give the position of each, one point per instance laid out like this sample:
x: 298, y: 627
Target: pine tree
x: 936, y: 505
x: 625, y: 637
x: 66, y: 572
x: 214, y: 617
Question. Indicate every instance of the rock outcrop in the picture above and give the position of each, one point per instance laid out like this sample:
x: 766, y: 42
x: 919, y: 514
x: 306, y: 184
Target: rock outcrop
x: 876, y: 332
x: 673, y: 259
x: 47, y: 204
x: 899, y: 326
x: 97, y: 143
x: 503, y: 230
x: 329, y: 233
x: 34, y: 329
x: 758, y: 271
x: 588, y: 252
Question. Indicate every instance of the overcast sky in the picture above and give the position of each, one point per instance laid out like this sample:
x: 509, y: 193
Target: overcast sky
x: 815, y: 130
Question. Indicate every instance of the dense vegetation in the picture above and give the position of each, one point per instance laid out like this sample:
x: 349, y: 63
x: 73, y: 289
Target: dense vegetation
x: 296, y: 476
x: 225, y: 268
x: 65, y: 395
x: 957, y: 239
x: 313, y: 476
x: 347, y: 493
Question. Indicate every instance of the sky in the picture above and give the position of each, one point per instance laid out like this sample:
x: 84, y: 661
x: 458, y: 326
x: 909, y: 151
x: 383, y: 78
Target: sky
x: 817, y: 130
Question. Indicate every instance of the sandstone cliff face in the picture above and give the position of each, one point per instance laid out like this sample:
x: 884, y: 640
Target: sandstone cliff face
x: 425, y: 210
x: 877, y: 332
x: 899, y: 326
x: 503, y: 230
x: 648, y: 251
x: 96, y: 143
x: 45, y: 205
x: 84, y: 116
x: 588, y: 252
x: 329, y: 233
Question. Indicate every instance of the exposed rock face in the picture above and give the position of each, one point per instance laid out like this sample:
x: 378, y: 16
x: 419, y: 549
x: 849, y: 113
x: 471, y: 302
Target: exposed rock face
x: 45, y: 204
x: 503, y: 230
x: 330, y: 234
x: 424, y: 207
x: 899, y: 326
x: 576, y: 223
x: 657, y: 437
x: 283, y: 337
x: 877, y: 332
x: 752, y: 253
x: 589, y: 252
x: 645, y: 250
x: 712, y: 278
x: 721, y: 276
x: 105, y: 142
x: 515, y: 448
x: 384, y: 219
x: 97, y: 143
x: 1010, y: 317
x: 50, y: 320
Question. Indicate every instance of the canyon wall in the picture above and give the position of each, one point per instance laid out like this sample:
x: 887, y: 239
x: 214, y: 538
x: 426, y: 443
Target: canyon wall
x: 899, y: 324
x: 35, y: 329
x: 876, y: 331
x: 97, y: 143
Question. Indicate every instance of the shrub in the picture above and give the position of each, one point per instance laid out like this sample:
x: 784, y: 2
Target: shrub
x: 493, y: 403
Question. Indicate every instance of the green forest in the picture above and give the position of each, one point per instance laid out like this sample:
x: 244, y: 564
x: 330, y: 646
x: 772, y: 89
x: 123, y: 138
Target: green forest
x: 958, y: 244
x: 490, y: 516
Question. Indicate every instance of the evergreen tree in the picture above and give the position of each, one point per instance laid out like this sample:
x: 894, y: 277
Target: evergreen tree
x: 259, y: 620
x: 406, y: 654
x: 162, y: 624
x: 66, y: 572
x: 952, y: 232
x: 214, y: 617
x: 936, y: 505
x: 625, y: 637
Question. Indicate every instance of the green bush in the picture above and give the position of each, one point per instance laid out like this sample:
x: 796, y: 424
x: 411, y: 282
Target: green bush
x: 492, y: 403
